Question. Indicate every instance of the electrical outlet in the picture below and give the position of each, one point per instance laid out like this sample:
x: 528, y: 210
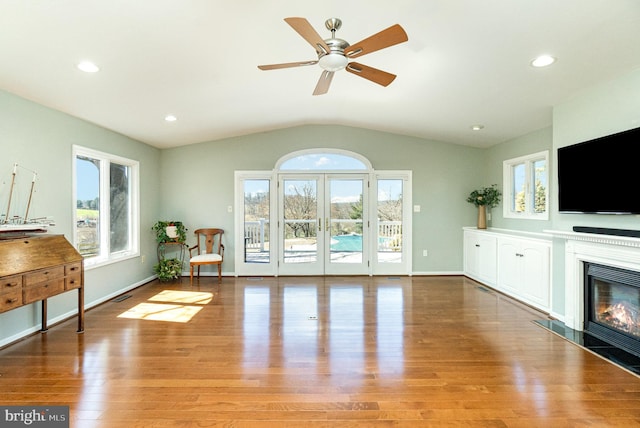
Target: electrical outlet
x: 229, y: 209
x: 425, y: 253
x: 141, y: 259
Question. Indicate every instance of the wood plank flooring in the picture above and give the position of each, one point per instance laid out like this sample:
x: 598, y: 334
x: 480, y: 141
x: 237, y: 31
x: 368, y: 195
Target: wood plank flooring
x: 317, y: 352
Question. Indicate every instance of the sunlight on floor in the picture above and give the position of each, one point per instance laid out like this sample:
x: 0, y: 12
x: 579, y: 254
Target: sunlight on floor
x: 187, y: 297
x: 174, y: 306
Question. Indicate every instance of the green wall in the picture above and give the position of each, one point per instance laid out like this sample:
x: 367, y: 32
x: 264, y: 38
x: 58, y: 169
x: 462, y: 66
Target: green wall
x: 534, y: 142
x: 40, y: 139
x: 198, y: 182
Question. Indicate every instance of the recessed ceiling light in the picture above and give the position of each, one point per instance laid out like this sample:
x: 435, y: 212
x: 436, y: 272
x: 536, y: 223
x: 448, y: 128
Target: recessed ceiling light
x: 170, y: 118
x: 543, y: 61
x: 88, y: 67
x: 477, y: 127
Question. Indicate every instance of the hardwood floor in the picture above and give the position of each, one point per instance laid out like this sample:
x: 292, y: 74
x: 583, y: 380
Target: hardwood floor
x: 317, y: 352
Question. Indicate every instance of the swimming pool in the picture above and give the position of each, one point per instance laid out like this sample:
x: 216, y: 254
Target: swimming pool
x: 346, y: 243
x: 351, y: 242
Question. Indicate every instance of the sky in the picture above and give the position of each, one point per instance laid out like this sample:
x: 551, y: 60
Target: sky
x: 88, y: 183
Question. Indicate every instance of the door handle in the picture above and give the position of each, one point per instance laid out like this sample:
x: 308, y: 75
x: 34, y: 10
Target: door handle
x: 319, y: 225
x: 326, y: 224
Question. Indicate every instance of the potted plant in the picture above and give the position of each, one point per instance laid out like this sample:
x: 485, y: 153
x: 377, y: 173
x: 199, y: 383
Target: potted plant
x: 168, y: 234
x: 483, y: 198
x: 170, y: 231
x: 168, y: 269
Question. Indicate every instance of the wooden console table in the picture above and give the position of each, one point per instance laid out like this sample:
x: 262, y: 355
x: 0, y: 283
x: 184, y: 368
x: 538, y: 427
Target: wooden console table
x: 34, y: 268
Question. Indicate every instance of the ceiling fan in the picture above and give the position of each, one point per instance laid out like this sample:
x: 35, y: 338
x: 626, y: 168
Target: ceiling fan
x: 334, y: 54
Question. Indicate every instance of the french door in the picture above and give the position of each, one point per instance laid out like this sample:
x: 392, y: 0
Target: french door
x: 323, y: 225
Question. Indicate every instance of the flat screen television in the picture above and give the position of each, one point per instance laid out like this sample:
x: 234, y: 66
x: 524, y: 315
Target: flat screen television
x: 600, y: 176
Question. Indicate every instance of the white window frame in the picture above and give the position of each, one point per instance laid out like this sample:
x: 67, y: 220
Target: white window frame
x: 509, y: 186
x: 106, y: 256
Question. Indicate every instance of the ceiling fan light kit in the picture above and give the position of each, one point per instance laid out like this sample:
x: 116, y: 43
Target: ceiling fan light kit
x: 334, y: 54
x: 333, y: 62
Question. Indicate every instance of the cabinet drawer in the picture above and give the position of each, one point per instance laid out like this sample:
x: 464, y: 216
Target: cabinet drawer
x: 11, y: 299
x: 72, y: 268
x: 73, y: 281
x: 43, y: 290
x: 43, y: 275
x: 10, y: 283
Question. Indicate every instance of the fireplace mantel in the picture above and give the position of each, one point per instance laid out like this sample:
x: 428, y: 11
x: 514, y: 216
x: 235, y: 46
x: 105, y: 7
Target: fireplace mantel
x: 610, y: 250
x: 624, y: 241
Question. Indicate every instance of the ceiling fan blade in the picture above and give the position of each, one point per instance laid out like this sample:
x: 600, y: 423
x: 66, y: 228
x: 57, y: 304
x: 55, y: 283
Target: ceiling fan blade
x: 305, y: 29
x: 323, y: 83
x: 376, y: 76
x: 385, y: 38
x: 287, y: 65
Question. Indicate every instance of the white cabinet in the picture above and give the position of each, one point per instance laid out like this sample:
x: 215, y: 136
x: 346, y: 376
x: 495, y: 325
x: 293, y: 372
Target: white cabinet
x: 480, y: 256
x: 524, y: 271
x: 515, y: 263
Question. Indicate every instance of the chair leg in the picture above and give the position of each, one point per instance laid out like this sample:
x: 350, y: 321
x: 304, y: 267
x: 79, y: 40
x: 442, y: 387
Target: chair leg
x: 219, y: 273
x: 191, y: 274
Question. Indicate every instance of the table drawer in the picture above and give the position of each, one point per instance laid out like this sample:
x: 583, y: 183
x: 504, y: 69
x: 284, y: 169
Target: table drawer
x: 73, y: 281
x: 72, y: 268
x: 43, y: 275
x: 10, y: 283
x: 43, y: 290
x: 11, y: 299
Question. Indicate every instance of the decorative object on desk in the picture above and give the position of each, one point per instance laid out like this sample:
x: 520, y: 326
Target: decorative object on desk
x: 483, y: 198
x: 12, y: 224
x: 170, y: 231
x: 168, y: 269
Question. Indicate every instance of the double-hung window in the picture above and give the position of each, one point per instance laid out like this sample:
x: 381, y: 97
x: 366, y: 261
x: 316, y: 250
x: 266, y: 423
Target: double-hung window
x: 106, y: 219
x: 526, y: 187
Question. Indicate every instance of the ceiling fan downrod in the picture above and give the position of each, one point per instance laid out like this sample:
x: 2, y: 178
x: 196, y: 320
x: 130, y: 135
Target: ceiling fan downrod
x: 333, y: 25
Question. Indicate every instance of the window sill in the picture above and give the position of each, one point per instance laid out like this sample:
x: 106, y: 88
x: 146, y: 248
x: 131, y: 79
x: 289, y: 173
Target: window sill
x: 94, y: 263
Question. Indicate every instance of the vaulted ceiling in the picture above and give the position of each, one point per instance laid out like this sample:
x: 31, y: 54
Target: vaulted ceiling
x: 467, y: 62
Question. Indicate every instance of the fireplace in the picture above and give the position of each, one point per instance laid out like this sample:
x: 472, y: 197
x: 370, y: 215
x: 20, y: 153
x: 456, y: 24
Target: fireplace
x: 612, y: 305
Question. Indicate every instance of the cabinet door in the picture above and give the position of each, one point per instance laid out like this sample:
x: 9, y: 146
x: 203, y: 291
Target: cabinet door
x: 509, y: 266
x: 535, y: 273
x: 480, y: 256
x: 488, y: 259
x: 471, y: 254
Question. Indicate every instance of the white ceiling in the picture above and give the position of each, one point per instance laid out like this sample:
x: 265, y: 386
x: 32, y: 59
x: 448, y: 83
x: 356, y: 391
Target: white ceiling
x: 466, y: 62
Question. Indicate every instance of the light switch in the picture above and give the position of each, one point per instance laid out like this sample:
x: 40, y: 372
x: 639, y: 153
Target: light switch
x: 416, y: 208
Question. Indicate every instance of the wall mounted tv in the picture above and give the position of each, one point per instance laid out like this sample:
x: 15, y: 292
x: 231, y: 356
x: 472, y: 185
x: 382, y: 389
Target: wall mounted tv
x: 600, y: 176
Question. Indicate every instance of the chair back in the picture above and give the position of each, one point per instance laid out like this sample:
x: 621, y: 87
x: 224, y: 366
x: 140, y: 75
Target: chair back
x: 212, y: 239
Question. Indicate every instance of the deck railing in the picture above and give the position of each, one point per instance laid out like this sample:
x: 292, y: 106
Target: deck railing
x: 256, y: 235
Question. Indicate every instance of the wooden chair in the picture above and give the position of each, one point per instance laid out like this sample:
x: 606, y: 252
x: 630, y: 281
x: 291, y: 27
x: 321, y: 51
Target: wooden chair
x: 207, y: 251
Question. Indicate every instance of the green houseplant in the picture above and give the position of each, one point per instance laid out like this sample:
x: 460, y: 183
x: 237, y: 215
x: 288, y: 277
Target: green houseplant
x: 169, y: 232
x: 483, y: 198
x: 164, y: 228
x: 168, y: 269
